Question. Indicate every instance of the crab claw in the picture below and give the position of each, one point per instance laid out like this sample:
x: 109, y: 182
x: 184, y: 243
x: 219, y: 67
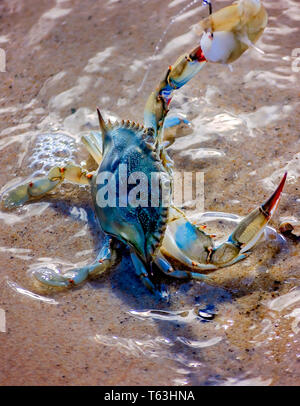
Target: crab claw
x: 252, y: 226
x: 248, y: 231
x: 51, y: 277
x: 27, y: 191
x: 16, y: 197
x: 230, y: 31
x: 270, y: 206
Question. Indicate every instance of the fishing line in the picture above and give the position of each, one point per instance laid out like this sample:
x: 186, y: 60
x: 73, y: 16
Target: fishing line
x: 173, y: 19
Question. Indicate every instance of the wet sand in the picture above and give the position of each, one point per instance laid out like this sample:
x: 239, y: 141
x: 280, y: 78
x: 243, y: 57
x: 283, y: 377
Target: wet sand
x: 64, y: 58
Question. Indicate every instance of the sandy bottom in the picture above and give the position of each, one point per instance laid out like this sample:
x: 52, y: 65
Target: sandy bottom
x: 64, y: 58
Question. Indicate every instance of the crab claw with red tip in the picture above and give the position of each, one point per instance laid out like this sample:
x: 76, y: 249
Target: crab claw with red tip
x: 252, y: 226
x: 270, y: 206
x: 248, y: 231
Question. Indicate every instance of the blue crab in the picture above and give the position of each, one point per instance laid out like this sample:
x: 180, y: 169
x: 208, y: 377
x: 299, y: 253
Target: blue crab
x: 157, y: 233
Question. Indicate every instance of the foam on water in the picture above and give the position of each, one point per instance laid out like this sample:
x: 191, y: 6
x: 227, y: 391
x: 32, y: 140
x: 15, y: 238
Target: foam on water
x: 51, y: 150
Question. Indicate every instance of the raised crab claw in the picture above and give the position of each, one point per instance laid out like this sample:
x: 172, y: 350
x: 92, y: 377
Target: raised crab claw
x: 156, y: 232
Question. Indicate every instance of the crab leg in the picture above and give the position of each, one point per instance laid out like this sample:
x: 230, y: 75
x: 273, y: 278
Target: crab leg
x: 105, y: 260
x: 38, y: 187
x: 93, y: 143
x: 142, y: 273
x: 164, y: 265
x: 184, y: 69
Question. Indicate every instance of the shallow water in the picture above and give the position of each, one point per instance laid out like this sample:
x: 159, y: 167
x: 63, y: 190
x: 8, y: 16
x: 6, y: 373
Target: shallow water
x: 64, y: 58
